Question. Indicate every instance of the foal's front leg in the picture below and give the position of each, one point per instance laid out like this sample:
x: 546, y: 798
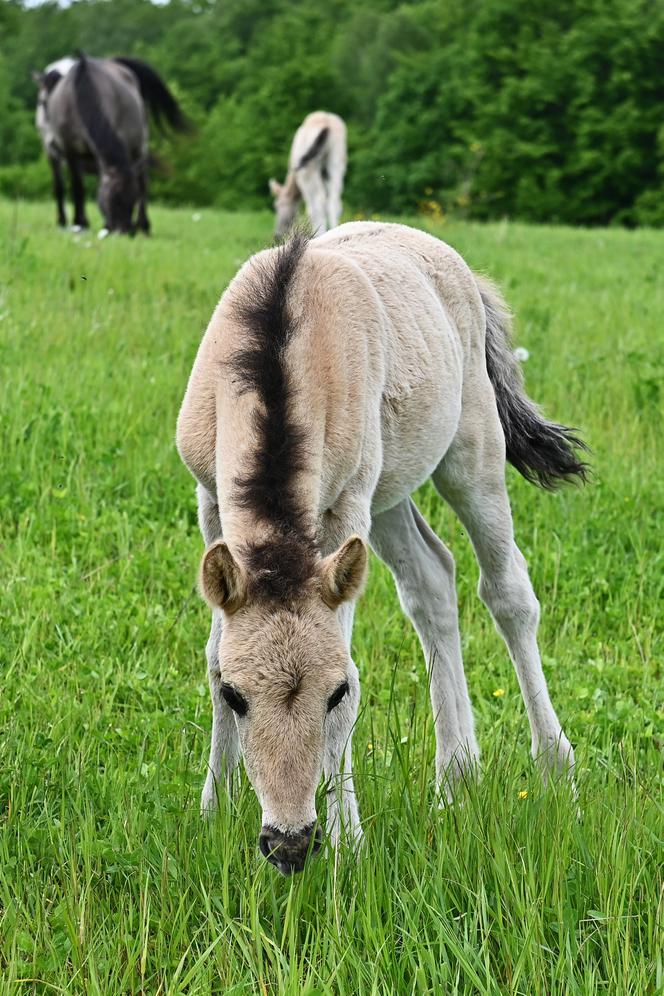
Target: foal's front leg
x: 342, y: 814
x: 423, y: 569
x: 224, y: 745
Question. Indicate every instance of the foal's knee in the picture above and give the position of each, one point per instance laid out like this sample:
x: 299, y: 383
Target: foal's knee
x: 511, y: 601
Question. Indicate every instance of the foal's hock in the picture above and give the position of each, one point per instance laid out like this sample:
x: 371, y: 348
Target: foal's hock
x: 335, y: 377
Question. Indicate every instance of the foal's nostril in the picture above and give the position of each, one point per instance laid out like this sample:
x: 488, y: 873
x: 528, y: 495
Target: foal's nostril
x: 265, y: 844
x: 288, y: 851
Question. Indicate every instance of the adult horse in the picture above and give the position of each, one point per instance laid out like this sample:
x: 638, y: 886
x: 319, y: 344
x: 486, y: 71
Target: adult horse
x: 335, y: 377
x: 91, y: 114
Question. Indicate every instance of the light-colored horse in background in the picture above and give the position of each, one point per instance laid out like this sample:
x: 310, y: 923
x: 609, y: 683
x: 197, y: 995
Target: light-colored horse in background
x: 316, y: 170
x: 335, y: 377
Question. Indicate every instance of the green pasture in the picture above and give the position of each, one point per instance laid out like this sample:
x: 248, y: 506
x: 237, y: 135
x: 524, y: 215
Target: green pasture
x: 110, y: 882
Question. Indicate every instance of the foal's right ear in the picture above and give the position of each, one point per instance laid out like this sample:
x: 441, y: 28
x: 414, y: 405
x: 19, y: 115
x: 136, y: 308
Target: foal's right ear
x: 343, y: 573
x: 275, y: 187
x: 222, y: 582
x: 37, y: 77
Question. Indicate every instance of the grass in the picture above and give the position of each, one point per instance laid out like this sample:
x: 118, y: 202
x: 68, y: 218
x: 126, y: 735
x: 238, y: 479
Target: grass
x: 109, y: 881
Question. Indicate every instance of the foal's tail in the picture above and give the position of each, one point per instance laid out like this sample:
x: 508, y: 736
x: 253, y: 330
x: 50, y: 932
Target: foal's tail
x: 543, y: 452
x: 103, y: 140
x: 156, y: 95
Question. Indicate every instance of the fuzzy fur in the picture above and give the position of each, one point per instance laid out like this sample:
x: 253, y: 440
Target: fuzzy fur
x: 335, y: 377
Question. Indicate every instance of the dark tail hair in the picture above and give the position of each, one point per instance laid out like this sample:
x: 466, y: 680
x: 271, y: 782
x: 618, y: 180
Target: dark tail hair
x: 315, y: 147
x: 162, y: 104
x: 103, y: 141
x: 543, y: 452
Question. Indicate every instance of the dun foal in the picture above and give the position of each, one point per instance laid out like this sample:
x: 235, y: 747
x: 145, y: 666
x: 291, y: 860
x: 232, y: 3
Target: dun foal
x: 316, y: 170
x: 334, y: 378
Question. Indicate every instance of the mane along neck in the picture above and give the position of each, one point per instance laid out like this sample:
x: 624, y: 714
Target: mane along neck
x: 281, y: 564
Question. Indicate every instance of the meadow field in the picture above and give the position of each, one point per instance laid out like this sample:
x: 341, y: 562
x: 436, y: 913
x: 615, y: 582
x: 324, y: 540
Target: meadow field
x: 110, y: 882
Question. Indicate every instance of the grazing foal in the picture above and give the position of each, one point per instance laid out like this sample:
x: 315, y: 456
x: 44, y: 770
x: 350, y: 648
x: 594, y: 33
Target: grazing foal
x: 316, y: 170
x: 334, y: 378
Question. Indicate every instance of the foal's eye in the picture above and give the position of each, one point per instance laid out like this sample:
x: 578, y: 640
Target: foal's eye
x: 336, y: 696
x: 237, y: 702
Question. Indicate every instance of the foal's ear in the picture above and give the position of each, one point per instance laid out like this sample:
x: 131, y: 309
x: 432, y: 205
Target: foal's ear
x: 343, y: 573
x: 37, y: 77
x: 275, y: 187
x: 222, y: 582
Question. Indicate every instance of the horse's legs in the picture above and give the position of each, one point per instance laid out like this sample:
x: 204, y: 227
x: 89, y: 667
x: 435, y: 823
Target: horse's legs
x: 423, y: 569
x: 58, y: 189
x: 472, y: 479
x: 77, y: 192
x: 335, y: 183
x: 342, y: 813
x: 311, y: 184
x: 142, y: 221
x: 224, y: 746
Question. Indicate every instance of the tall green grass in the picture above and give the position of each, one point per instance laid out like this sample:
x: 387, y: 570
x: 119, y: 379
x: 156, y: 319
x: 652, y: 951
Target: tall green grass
x: 109, y: 881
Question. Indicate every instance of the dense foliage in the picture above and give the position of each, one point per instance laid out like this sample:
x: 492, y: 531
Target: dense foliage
x: 485, y: 108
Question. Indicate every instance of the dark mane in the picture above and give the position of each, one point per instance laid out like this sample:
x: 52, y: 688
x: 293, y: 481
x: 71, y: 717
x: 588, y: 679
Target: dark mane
x: 279, y: 568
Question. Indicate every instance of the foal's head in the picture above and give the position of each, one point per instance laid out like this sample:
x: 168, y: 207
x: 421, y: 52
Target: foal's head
x: 286, y: 201
x: 284, y: 669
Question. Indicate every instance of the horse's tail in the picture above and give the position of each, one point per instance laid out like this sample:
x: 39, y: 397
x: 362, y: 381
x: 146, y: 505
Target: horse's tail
x: 158, y: 98
x: 315, y: 147
x: 543, y: 452
x: 103, y: 140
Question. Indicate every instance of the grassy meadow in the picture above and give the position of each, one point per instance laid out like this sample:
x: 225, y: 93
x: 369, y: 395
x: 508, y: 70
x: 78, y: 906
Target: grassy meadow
x: 110, y: 882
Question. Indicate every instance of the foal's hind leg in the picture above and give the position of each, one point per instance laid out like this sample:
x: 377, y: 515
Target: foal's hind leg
x: 423, y: 569
x: 224, y: 746
x: 472, y: 479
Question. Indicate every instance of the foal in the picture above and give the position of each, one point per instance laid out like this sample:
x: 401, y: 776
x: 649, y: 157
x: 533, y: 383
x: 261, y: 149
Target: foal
x: 316, y: 170
x: 334, y: 378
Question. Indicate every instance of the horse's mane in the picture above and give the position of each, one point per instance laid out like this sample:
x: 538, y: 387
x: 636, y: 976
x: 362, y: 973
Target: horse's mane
x: 102, y: 138
x: 278, y: 568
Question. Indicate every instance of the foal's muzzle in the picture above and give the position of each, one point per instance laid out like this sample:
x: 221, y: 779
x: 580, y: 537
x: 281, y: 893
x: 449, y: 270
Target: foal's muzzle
x: 289, y: 851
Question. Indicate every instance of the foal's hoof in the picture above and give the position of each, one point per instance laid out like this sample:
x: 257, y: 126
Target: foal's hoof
x: 460, y: 769
x: 209, y: 798
x: 554, y: 756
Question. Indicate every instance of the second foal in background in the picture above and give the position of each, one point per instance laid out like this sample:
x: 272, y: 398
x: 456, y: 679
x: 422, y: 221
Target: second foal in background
x: 334, y: 378
x: 316, y: 170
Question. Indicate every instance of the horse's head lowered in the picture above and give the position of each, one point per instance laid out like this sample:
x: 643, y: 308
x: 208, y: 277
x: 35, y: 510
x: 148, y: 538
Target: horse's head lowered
x: 287, y: 198
x: 285, y: 673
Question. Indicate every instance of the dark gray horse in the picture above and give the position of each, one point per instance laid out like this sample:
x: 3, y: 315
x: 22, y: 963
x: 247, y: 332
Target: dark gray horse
x: 91, y: 114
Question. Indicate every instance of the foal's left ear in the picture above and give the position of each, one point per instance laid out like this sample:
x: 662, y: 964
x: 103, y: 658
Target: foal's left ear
x: 275, y: 187
x: 343, y: 573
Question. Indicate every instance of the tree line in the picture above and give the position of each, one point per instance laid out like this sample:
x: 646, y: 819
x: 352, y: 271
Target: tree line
x: 480, y: 108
